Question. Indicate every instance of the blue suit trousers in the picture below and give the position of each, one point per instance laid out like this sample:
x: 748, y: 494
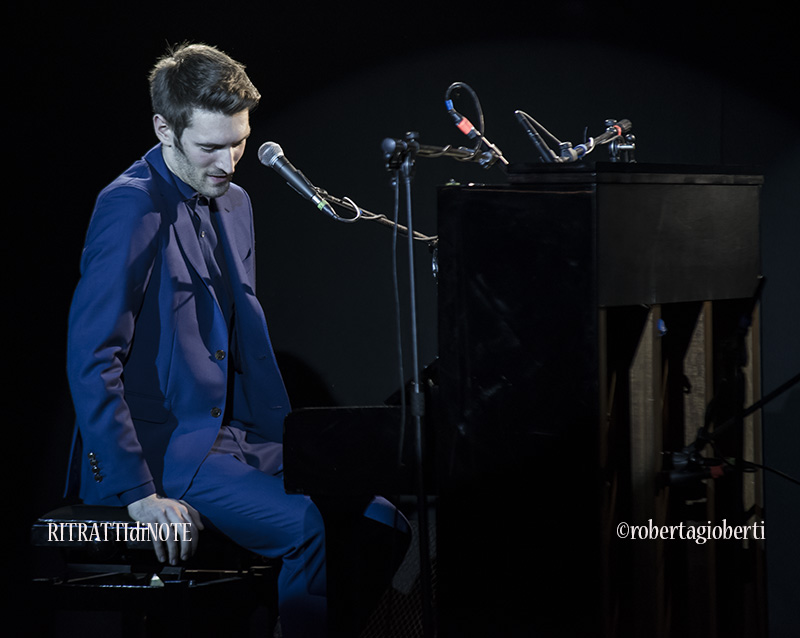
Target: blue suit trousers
x: 239, y: 490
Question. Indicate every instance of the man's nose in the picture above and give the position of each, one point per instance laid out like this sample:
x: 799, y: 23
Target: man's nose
x: 226, y: 160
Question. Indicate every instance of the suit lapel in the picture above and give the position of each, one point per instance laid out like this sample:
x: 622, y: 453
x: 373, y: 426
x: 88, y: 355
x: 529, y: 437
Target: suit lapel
x: 227, y: 235
x: 249, y: 314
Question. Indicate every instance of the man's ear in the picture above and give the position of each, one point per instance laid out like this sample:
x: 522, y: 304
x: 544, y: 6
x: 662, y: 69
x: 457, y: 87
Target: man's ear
x: 163, y: 130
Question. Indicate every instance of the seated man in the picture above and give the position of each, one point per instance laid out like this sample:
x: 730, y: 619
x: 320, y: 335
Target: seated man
x: 178, y: 398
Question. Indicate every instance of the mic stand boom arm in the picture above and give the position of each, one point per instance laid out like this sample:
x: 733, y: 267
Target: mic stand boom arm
x: 486, y: 159
x: 346, y: 202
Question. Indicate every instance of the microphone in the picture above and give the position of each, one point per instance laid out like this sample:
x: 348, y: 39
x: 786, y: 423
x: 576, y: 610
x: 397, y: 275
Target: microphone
x: 615, y: 129
x: 462, y: 123
x: 545, y: 151
x: 271, y: 154
x: 468, y: 129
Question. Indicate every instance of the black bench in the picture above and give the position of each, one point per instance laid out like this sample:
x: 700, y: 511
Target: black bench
x: 98, y: 565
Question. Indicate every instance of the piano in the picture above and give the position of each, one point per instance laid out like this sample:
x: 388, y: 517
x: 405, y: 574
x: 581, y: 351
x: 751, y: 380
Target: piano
x: 574, y: 305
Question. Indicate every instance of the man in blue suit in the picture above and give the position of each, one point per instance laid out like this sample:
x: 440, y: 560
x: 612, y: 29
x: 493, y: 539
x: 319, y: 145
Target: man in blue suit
x: 179, y: 401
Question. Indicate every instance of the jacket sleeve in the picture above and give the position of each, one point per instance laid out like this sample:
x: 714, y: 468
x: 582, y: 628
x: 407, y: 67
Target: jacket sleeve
x: 118, y: 256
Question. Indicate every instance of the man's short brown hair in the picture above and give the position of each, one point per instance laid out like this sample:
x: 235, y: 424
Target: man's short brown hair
x: 199, y: 76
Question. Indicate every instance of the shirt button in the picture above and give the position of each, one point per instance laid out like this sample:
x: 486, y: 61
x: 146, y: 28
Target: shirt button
x: 216, y: 412
x: 202, y: 234
x: 219, y: 355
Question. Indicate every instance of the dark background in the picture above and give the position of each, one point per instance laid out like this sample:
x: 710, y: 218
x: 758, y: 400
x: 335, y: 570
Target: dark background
x: 703, y: 83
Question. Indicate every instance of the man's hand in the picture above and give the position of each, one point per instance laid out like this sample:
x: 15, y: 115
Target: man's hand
x: 167, y: 511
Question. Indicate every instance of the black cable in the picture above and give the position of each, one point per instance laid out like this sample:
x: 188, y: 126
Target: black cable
x: 706, y: 437
x: 750, y: 466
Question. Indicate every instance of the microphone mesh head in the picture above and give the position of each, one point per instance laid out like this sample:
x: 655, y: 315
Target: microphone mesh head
x: 269, y: 152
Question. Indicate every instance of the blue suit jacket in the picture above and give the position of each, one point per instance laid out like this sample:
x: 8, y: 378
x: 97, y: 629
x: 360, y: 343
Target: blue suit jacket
x: 147, y: 357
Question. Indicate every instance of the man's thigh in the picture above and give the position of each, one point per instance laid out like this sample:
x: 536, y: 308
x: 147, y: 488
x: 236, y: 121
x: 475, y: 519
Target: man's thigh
x: 251, y: 506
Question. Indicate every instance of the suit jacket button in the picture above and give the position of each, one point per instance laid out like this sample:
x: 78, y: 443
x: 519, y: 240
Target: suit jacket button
x: 219, y: 355
x: 216, y: 412
x: 98, y: 478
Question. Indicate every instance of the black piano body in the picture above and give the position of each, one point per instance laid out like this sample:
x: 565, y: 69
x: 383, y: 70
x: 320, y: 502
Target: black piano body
x: 546, y: 285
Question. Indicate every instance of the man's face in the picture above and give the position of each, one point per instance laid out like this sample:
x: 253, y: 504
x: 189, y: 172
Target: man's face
x: 207, y: 153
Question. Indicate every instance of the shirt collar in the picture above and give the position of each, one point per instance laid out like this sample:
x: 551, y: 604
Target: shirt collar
x: 156, y: 159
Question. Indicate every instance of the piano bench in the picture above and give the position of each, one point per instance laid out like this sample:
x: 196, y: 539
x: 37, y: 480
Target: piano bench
x: 94, y: 559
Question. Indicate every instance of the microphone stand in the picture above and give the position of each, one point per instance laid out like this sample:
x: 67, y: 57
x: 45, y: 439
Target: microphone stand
x: 401, y: 162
